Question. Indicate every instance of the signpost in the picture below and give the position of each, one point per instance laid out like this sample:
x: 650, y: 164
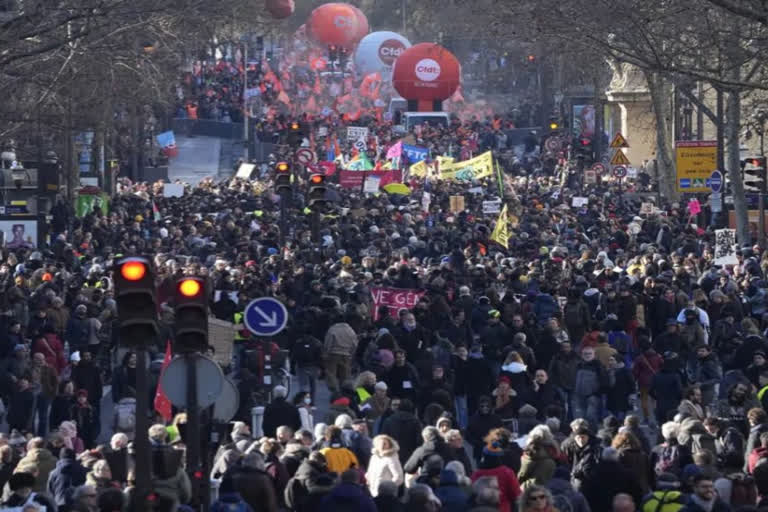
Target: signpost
x: 619, y: 141
x: 305, y: 156
x: 715, y: 183
x: 619, y: 172
x: 265, y: 316
x: 695, y: 163
x: 619, y: 158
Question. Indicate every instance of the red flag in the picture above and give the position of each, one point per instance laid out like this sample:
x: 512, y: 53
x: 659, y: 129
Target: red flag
x: 162, y: 404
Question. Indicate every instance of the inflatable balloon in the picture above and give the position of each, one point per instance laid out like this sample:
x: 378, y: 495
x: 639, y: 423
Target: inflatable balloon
x: 426, y: 71
x: 378, y: 51
x: 280, y: 9
x: 337, y: 24
x: 362, y: 24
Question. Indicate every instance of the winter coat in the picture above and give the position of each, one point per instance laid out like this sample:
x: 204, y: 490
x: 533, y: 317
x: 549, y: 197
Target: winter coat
x: 44, y: 461
x: 398, y: 380
x: 348, y: 497
x: 646, y: 365
x: 562, y: 488
x: 590, y: 379
x: 691, y: 410
x: 405, y: 428
x: 509, y: 487
x: 620, y: 386
x: 537, y: 467
x: 753, y: 441
x: 452, y: 497
x: 230, y: 501
x: 340, y: 340
x: 78, y: 332
x: 21, y: 411
x: 278, y: 413
x: 562, y: 370
x: 608, y: 479
x: 584, y: 461
x: 88, y: 377
x: 177, y: 488
x: 60, y: 410
x: 297, y: 492
x: 637, y: 463
x: 422, y: 453
x: 719, y: 506
x: 124, y: 410
x: 340, y: 459
x: 384, y: 465
x: 478, y: 427
x: 667, y: 390
x: 256, y: 488
x: 706, y: 372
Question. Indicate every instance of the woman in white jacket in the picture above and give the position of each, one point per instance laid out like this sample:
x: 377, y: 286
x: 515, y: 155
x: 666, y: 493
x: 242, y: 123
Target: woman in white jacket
x: 384, y: 465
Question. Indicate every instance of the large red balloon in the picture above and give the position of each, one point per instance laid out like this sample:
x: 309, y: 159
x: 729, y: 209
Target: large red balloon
x: 338, y: 24
x: 280, y: 8
x: 426, y: 71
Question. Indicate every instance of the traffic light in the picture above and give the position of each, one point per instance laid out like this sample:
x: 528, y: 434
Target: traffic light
x: 282, y: 177
x: 582, y: 146
x: 755, y: 179
x: 295, y: 134
x: 553, y: 124
x: 531, y: 59
x: 343, y: 55
x: 333, y: 53
x: 190, y: 325
x: 316, y: 190
x: 136, y: 297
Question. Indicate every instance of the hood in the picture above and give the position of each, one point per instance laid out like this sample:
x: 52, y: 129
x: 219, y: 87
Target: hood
x: 378, y: 441
x: 514, y: 367
x: 40, y: 455
x: 448, y: 477
x: 306, y: 470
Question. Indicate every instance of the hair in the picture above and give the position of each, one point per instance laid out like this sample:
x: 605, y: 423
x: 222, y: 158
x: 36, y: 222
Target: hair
x: 513, y: 357
x: 333, y: 433
x: 35, y: 442
x: 388, y: 488
x: 712, y: 421
x: 487, y: 492
x: 700, y: 477
x: 626, y: 440
x: 279, y: 392
x: 6, y: 453
x: 757, y: 415
x: 362, y: 377
x: 689, y: 391
x: 579, y: 423
x: 703, y: 458
x: 764, y: 439
x: 539, y: 489
x: 632, y: 421
x: 553, y: 424
x: 83, y: 490
x: 610, y: 453
x: 452, y: 434
x: 253, y: 460
x: 669, y: 430
x: 343, y: 421
x: 126, y: 357
x: 158, y: 433
x: 100, y: 466
x: 540, y: 434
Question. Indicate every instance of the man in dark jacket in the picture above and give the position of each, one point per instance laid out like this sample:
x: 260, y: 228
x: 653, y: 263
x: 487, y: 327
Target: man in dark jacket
x: 67, y: 475
x: 494, y: 337
x: 402, y: 379
x: 589, y: 384
x: 584, y: 458
x: 706, y: 371
x: 405, y: 428
x: 279, y: 412
x: 433, y: 445
x: 480, y: 424
x: 253, y: 483
x: 349, y: 495
x: 78, y: 329
x: 607, y: 479
x: 704, y: 498
x: 297, y: 490
x: 86, y: 375
x: 562, y: 372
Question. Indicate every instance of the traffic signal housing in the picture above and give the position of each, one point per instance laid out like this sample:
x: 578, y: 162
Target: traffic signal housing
x: 754, y: 171
x: 136, y: 297
x: 190, y: 323
x: 317, y: 189
x: 295, y: 134
x: 282, y: 177
x: 553, y: 124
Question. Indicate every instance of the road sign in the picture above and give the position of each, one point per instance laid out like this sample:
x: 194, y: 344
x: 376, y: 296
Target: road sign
x: 619, y: 141
x: 265, y: 316
x: 619, y: 158
x: 228, y: 403
x: 210, y: 380
x: 598, y: 168
x: 620, y: 171
x: 305, y: 156
x: 695, y: 161
x: 716, y: 181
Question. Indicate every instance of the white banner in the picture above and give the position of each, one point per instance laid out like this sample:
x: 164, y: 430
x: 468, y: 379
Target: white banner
x: 355, y: 133
x: 725, y: 247
x: 492, y: 206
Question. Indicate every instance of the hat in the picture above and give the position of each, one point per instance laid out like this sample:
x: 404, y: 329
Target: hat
x: 493, y: 449
x: 80, y: 308
x: 381, y: 385
x: 20, y: 347
x: 494, y: 313
x: 346, y: 260
x: 75, y: 357
x: 21, y: 480
x: 506, y: 379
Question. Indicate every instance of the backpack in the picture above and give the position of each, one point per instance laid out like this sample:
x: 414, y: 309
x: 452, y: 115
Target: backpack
x: 732, y: 454
x: 126, y: 417
x: 743, y: 490
x: 305, y: 350
x: 669, y: 460
x: 663, y: 501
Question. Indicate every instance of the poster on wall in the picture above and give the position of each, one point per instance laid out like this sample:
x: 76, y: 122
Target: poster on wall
x: 583, y: 117
x: 19, y: 234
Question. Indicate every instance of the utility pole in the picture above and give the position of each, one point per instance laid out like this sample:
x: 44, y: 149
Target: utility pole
x: 246, y: 135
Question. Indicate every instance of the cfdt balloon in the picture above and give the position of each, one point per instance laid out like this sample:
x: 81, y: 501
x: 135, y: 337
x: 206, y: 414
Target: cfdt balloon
x: 338, y: 24
x: 426, y: 71
x: 378, y: 51
x: 280, y: 8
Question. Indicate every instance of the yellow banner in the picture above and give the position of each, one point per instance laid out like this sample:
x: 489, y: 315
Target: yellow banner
x: 500, y: 233
x: 419, y: 169
x: 472, y: 169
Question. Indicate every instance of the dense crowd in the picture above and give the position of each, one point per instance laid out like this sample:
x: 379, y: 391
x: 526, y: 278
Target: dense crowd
x: 602, y: 361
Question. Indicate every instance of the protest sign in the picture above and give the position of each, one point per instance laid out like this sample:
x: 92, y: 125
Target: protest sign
x: 578, y: 202
x: 173, y: 190
x: 472, y: 169
x: 355, y: 179
x: 415, y: 153
x: 371, y: 184
x: 492, y: 206
x: 394, y: 299
x: 725, y: 247
x: 355, y: 133
x: 457, y: 204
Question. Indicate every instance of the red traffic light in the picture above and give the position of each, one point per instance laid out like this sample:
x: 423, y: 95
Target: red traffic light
x: 190, y: 287
x: 531, y: 58
x: 283, y: 167
x: 295, y: 126
x: 317, y: 179
x: 585, y: 142
x: 754, y: 161
x: 133, y: 271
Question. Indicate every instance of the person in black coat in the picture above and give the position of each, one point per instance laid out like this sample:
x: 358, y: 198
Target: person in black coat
x: 608, y: 479
x: 621, y: 384
x: 667, y: 388
x: 542, y: 393
x: 279, y: 412
x: 402, y: 379
x: 433, y: 445
x: 480, y: 424
x: 21, y: 409
x: 67, y: 475
x: 61, y: 404
x: 481, y: 379
x: 404, y: 427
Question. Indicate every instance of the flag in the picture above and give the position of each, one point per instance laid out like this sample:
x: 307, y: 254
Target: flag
x: 360, y: 163
x: 162, y: 404
x: 500, y: 233
x: 395, y: 151
x: 156, y: 212
x: 500, y: 179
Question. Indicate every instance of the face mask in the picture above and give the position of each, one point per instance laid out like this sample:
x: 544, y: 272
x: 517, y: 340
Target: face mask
x: 409, y: 326
x: 307, y: 400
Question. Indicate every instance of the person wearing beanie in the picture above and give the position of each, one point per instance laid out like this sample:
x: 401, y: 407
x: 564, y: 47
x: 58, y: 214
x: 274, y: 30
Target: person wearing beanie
x: 21, y: 484
x: 67, y: 474
x: 491, y: 466
x: 433, y: 444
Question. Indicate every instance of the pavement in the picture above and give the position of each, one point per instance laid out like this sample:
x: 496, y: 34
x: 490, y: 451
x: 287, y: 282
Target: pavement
x: 199, y: 158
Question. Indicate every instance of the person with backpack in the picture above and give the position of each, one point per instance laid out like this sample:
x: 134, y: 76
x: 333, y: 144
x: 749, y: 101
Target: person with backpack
x: 706, y: 371
x: 666, y: 496
x: 125, y: 414
x: 306, y: 356
x: 729, y: 444
x: 644, y: 368
x: 670, y: 457
x: 759, y: 455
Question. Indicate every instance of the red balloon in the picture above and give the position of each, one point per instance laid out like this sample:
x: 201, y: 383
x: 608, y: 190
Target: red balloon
x: 280, y: 8
x: 426, y: 71
x: 337, y: 24
x: 362, y: 24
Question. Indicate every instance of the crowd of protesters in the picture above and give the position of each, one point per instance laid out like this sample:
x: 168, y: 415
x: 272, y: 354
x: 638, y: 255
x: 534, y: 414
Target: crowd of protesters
x: 603, y: 361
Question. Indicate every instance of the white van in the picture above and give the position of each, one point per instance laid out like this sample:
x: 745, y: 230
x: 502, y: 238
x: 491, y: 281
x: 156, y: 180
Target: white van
x: 411, y: 119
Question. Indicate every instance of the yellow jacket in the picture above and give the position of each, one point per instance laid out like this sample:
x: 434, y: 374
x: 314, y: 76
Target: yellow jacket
x: 339, y: 459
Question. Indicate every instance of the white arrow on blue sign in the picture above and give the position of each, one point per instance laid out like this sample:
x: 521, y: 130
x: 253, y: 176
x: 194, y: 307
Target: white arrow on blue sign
x: 715, y: 181
x: 265, y: 316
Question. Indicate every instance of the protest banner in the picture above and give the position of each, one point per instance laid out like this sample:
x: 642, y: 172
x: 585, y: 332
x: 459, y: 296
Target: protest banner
x: 472, y: 169
x: 493, y: 206
x: 355, y: 133
x: 394, y: 299
x: 173, y: 190
x: 457, y: 204
x: 415, y: 153
x: 725, y: 247
x: 355, y: 179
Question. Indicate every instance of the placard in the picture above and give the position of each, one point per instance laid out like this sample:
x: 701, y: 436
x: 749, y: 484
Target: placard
x: 173, y: 190
x: 725, y: 247
x: 646, y: 209
x: 578, y: 202
x: 371, y: 184
x: 245, y: 170
x: 394, y: 299
x: 355, y: 133
x: 493, y: 206
x: 457, y: 204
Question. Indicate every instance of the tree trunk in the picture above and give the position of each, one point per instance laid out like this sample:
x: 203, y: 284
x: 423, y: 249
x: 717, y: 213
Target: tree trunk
x: 733, y: 163
x: 660, y: 91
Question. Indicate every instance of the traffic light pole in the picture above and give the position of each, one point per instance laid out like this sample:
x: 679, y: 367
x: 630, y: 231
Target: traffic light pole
x: 283, y: 219
x: 141, y: 445
x: 761, y: 196
x: 193, y: 430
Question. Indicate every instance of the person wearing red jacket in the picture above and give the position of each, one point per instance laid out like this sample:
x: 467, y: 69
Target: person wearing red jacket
x: 491, y: 465
x: 644, y: 367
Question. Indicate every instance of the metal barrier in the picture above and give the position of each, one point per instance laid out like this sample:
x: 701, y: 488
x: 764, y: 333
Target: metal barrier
x: 207, y: 128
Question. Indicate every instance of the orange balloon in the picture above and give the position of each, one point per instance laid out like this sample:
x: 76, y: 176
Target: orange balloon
x: 336, y: 23
x: 362, y: 24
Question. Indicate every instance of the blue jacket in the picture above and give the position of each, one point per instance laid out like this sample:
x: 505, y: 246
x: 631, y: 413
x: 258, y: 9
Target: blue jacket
x: 348, y: 497
x: 453, y: 498
x: 230, y: 502
x: 62, y: 481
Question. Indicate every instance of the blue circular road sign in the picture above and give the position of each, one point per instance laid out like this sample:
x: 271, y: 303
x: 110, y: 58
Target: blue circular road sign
x: 716, y: 181
x: 265, y: 316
